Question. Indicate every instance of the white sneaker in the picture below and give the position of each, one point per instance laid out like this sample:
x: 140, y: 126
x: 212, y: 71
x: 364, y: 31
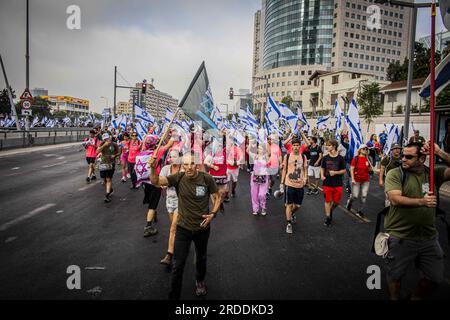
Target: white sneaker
x: 128, y: 176
x: 124, y: 179
x: 255, y: 213
x: 289, y: 228
x: 263, y: 212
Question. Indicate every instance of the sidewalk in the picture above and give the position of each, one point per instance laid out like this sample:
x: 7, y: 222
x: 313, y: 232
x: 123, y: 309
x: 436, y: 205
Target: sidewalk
x: 39, y: 148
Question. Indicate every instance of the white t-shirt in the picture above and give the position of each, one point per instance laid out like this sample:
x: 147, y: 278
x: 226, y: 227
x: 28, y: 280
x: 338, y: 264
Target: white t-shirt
x: 171, y: 195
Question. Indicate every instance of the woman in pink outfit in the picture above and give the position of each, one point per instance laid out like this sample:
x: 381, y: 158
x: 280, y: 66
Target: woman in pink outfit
x: 259, y: 182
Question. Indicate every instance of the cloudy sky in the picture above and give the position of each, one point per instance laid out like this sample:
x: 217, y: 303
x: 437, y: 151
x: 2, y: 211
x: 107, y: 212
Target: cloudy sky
x: 161, y: 39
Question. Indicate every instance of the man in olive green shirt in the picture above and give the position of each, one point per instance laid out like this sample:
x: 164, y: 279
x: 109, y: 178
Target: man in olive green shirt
x: 194, y: 189
x: 410, y: 221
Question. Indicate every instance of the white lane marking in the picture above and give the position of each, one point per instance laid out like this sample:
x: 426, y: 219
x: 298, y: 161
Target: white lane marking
x: 50, y: 155
x: 94, y: 268
x: 10, y: 239
x: 60, y: 211
x: 15, y: 168
x: 30, y: 214
x: 13, y: 174
x: 54, y: 165
x: 88, y: 186
x: 60, y: 158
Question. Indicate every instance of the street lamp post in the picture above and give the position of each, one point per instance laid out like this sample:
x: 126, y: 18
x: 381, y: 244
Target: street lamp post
x: 225, y: 104
x: 412, y: 39
x: 267, y: 96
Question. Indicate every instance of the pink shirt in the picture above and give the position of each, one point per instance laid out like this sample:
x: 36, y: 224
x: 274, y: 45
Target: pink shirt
x: 275, y: 154
x: 134, y: 149
x: 91, y: 149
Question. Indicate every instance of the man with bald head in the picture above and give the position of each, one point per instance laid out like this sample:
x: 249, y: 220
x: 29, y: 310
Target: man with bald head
x: 194, y: 189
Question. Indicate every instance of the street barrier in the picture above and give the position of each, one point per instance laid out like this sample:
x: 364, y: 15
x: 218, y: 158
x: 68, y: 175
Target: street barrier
x: 39, y: 137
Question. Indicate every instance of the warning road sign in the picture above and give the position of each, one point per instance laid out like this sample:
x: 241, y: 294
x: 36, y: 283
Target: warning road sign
x: 26, y: 95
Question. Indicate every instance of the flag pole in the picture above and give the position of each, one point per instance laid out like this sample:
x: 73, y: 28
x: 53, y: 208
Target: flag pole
x: 165, y: 133
x: 432, y: 95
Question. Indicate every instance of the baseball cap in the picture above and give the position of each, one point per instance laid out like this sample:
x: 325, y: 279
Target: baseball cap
x: 105, y: 136
x: 362, y: 146
x: 396, y: 146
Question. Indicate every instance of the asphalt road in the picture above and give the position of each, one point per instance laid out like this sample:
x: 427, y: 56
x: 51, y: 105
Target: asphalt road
x: 51, y: 219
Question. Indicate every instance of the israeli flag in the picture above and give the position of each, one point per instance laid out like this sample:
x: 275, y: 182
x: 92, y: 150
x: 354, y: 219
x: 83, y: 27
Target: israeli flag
x: 141, y: 130
x: 35, y: 122
x: 393, y: 137
x: 143, y: 115
x: 442, y: 74
x: 322, y: 122
x: 169, y: 115
x: 353, y: 123
x: 273, y: 112
x: 338, y: 116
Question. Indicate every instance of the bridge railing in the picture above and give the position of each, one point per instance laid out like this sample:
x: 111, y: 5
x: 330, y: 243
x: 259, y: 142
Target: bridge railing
x: 40, y: 136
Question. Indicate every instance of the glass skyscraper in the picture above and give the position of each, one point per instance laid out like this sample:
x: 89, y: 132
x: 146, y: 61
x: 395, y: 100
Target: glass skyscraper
x: 297, y: 32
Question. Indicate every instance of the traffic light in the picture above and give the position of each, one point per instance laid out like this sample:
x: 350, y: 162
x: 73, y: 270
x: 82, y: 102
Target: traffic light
x: 231, y: 93
x: 144, y: 86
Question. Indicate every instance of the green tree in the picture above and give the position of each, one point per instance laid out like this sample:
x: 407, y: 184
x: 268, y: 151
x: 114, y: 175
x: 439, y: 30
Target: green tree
x: 397, y: 71
x: 287, y: 101
x: 40, y: 107
x: 60, y: 114
x: 369, y: 100
x: 5, y: 107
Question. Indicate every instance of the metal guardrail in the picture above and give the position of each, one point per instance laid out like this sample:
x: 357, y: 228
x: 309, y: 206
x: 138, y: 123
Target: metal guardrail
x: 40, y: 136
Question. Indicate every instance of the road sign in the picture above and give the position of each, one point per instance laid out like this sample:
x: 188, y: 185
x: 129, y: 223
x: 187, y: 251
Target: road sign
x: 26, y: 95
x: 26, y: 104
x: 26, y: 112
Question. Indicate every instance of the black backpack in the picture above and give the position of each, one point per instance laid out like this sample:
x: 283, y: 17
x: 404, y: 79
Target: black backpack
x: 439, y: 212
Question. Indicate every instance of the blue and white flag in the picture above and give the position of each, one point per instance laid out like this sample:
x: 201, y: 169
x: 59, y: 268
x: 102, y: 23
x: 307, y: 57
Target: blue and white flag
x: 353, y: 124
x: 322, y: 122
x: 289, y: 116
x: 143, y: 115
x: 442, y: 74
x: 169, y: 115
x: 273, y: 112
x: 338, y: 116
x: 393, y: 137
x: 141, y: 130
x: 35, y: 121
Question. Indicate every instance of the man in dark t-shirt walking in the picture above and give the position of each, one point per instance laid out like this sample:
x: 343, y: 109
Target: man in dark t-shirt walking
x: 333, y: 168
x: 194, y: 188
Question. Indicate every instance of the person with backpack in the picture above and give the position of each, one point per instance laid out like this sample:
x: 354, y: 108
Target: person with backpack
x: 294, y: 176
x: 388, y: 163
x: 194, y: 189
x: 108, y: 151
x: 359, y: 171
x: 410, y: 221
x: 91, y: 144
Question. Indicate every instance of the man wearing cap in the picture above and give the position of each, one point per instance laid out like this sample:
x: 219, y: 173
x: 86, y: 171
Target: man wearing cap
x: 387, y: 163
x: 417, y: 138
x: 107, y: 151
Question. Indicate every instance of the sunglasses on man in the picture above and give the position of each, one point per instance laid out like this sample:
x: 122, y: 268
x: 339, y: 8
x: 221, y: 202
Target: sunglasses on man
x: 409, y: 156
